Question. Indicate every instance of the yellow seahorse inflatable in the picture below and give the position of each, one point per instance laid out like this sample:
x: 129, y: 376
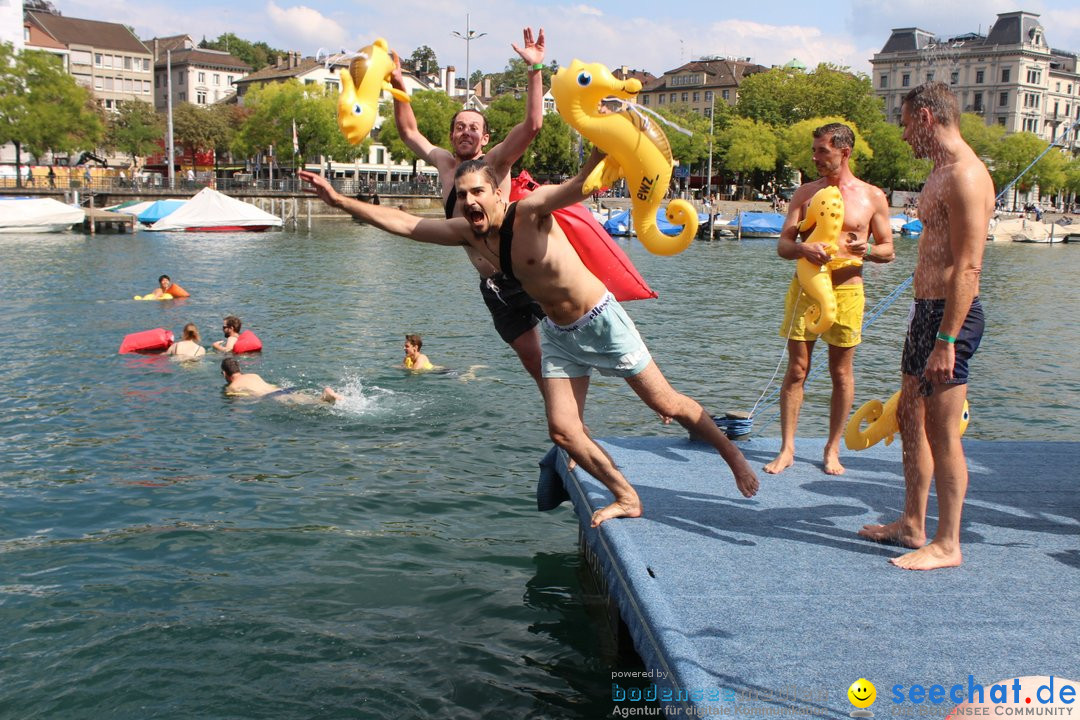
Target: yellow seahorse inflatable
x: 361, y: 85
x: 881, y: 423
x: 636, y: 149
x: 825, y: 214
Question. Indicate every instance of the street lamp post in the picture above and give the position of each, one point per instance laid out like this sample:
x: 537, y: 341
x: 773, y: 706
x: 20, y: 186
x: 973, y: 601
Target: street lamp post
x: 708, y: 173
x: 468, y: 37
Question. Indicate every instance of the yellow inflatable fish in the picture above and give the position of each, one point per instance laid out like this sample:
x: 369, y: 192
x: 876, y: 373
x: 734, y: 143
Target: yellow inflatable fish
x: 825, y: 214
x: 881, y: 423
x: 636, y: 149
x: 361, y: 85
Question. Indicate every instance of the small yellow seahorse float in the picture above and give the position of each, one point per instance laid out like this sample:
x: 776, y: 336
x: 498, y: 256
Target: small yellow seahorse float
x: 825, y: 214
x: 636, y: 148
x: 881, y: 423
x: 361, y: 85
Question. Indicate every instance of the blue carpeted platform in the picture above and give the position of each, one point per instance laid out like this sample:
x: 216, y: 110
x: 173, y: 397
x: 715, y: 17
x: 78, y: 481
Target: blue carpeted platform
x: 777, y: 606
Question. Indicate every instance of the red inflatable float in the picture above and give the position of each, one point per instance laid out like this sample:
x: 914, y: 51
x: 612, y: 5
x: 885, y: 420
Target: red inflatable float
x: 156, y: 340
x: 604, y: 258
x: 247, y: 342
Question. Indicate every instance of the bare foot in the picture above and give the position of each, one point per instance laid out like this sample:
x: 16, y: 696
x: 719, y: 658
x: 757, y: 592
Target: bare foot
x: 831, y: 463
x: 330, y: 396
x: 623, y: 508
x: 783, y: 461
x: 929, y: 557
x: 894, y: 533
x: 745, y: 479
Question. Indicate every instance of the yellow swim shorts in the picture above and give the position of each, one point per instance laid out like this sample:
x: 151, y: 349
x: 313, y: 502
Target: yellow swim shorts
x: 845, y: 332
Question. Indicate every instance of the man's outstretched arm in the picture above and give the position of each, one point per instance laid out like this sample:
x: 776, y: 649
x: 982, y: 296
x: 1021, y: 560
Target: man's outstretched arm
x: 546, y: 199
x: 509, y: 151
x: 409, y: 131
x: 392, y: 220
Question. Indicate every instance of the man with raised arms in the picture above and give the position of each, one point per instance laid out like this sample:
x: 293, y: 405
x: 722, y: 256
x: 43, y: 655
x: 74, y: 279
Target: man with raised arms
x: 866, y: 213
x: 944, y: 329
x: 584, y: 328
x: 515, y: 314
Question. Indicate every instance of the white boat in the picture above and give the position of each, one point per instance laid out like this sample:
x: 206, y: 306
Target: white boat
x: 1027, y: 231
x: 211, y: 211
x: 37, y: 215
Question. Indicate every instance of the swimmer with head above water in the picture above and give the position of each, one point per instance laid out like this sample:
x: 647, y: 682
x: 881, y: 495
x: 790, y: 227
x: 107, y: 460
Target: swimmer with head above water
x: 188, y: 348
x: 252, y: 385
x: 414, y: 359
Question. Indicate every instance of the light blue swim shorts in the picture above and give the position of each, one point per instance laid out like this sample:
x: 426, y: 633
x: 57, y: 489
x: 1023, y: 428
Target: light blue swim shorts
x: 603, y: 338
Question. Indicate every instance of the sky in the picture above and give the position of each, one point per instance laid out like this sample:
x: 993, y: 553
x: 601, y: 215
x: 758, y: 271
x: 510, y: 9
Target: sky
x: 655, y: 36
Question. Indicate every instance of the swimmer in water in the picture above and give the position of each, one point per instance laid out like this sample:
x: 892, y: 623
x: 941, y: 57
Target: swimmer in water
x: 414, y: 359
x: 188, y: 348
x: 252, y: 385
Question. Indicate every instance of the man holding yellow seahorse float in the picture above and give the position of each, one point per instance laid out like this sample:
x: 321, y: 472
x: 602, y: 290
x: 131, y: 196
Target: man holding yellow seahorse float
x: 829, y: 255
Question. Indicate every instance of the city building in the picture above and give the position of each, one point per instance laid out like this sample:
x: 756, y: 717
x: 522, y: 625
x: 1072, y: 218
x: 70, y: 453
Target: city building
x: 698, y: 84
x: 1011, y: 76
x: 104, y: 57
x: 199, y: 76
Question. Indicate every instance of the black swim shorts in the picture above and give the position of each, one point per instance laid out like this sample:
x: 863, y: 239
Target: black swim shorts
x: 923, y: 326
x: 512, y: 309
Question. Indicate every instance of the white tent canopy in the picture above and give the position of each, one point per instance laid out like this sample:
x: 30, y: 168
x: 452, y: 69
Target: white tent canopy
x: 211, y: 210
x: 37, y: 215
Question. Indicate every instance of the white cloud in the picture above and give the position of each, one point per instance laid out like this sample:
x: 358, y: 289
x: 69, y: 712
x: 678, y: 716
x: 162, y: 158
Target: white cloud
x: 588, y: 10
x: 302, y: 27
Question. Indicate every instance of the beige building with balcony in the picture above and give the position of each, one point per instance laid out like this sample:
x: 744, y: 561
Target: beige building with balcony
x: 698, y: 84
x: 104, y: 57
x: 199, y: 76
x: 1011, y: 76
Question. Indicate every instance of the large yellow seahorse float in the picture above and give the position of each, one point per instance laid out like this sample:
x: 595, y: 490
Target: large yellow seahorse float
x: 881, y: 423
x: 361, y: 85
x: 636, y: 148
x: 825, y: 214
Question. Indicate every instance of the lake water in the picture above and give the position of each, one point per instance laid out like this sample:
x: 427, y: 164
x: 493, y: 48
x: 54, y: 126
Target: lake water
x: 167, y: 551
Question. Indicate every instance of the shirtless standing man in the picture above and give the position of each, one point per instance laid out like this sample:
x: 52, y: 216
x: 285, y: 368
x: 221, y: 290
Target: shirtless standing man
x: 866, y: 212
x: 515, y: 313
x: 946, y: 325
x: 584, y: 328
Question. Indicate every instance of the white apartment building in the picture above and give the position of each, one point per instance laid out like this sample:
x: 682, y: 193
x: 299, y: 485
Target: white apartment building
x: 199, y: 76
x: 1011, y: 76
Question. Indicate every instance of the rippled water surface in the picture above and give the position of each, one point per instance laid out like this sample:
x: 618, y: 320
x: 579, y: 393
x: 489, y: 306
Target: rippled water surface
x: 167, y: 551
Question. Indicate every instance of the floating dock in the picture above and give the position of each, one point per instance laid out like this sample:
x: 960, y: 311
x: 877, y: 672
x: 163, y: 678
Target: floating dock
x: 98, y: 220
x: 773, y: 606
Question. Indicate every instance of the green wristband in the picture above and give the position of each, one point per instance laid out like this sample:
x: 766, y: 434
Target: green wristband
x: 946, y: 338
x: 538, y: 66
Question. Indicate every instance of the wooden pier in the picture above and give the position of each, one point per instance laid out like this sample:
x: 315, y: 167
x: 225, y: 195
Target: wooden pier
x: 103, y: 220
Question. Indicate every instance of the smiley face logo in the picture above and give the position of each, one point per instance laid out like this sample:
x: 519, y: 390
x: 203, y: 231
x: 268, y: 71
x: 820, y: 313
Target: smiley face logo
x: 862, y: 693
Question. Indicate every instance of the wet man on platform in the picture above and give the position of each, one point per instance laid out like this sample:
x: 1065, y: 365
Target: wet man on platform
x: 866, y: 213
x: 944, y: 329
x: 584, y: 326
x: 514, y: 313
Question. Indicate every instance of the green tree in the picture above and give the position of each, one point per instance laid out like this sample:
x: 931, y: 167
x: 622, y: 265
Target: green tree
x: 553, y: 152
x: 1015, y: 152
x: 893, y: 165
x: 687, y: 149
x: 423, y: 60
x: 1072, y: 177
x: 42, y: 108
x: 433, y: 111
x: 274, y: 107
x: 514, y: 78
x: 747, y: 145
x: 135, y: 129
x: 981, y: 137
x: 796, y: 145
x: 782, y: 97
x: 256, y: 54
x: 196, y: 129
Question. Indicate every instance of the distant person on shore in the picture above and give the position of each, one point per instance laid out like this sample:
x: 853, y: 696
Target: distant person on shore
x: 866, y: 213
x: 514, y: 313
x: 944, y: 330
x: 30, y: 177
x: 167, y: 287
x: 252, y: 385
x: 230, y: 327
x: 414, y: 359
x: 188, y: 348
x: 584, y: 326
x: 88, y: 177
x: 52, y: 177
